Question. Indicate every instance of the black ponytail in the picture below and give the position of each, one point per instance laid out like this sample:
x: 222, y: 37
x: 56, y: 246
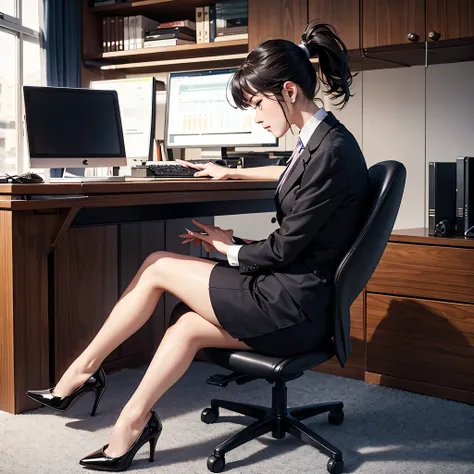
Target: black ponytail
x: 275, y: 62
x: 323, y: 42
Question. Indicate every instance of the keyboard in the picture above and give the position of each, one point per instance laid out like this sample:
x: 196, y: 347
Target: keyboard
x: 164, y: 171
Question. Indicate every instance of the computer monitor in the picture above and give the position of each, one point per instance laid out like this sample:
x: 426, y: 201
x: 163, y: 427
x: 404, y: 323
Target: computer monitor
x: 73, y: 128
x: 198, y: 113
x: 137, y: 101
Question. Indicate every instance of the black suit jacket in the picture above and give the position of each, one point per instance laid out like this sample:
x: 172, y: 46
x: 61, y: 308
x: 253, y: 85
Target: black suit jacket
x: 319, y: 208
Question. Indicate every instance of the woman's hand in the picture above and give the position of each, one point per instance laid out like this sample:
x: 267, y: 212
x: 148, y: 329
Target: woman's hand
x: 213, y: 237
x: 208, y: 169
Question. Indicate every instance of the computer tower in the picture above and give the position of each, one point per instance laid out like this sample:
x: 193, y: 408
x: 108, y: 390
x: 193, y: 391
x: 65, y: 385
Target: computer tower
x: 465, y: 195
x: 441, y: 194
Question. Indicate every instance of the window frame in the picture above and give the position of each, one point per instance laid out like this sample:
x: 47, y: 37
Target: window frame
x: 13, y: 25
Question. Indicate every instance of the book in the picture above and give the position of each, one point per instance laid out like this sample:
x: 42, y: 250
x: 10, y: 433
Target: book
x: 175, y: 35
x: 205, y: 18
x: 112, y: 34
x: 126, y: 34
x: 212, y: 23
x: 131, y: 28
x: 180, y: 23
x: 104, y: 34
x: 179, y: 29
x: 121, y: 33
x: 142, y: 23
x: 199, y: 25
x: 166, y: 42
x: 233, y: 30
x: 242, y: 36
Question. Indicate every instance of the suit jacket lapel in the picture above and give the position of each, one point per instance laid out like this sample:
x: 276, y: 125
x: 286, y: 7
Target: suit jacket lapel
x: 316, y: 138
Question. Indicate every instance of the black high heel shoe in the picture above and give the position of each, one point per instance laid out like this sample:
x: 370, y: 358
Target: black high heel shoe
x: 99, y: 461
x: 97, y: 383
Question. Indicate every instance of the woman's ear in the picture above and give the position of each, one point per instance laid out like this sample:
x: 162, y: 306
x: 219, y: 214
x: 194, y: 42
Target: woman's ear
x: 290, y: 91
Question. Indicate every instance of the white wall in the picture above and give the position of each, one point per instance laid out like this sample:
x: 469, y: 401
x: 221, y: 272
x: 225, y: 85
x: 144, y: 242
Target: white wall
x: 413, y: 115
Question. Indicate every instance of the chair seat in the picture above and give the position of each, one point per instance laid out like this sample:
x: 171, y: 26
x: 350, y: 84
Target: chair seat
x: 268, y: 367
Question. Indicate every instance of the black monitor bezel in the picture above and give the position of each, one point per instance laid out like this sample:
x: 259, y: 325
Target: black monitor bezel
x: 28, y: 90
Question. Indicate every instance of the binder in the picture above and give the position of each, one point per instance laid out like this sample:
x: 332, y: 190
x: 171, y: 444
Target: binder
x: 460, y: 224
x: 441, y: 194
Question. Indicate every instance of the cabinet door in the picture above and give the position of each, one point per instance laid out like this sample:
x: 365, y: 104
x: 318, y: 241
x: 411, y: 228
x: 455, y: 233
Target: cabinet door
x: 388, y: 23
x: 276, y: 19
x: 343, y: 15
x: 449, y: 19
x: 420, y: 340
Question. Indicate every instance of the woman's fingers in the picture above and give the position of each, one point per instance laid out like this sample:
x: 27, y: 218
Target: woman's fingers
x: 207, y: 247
x: 201, y: 225
x: 188, y: 164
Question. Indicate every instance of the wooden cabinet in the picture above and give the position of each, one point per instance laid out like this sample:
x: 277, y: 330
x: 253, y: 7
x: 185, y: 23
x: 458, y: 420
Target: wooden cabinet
x: 449, y: 19
x: 429, y: 344
x: 343, y: 15
x: 276, y: 19
x: 385, y: 22
x: 442, y: 273
x: 420, y: 316
x: 412, y: 327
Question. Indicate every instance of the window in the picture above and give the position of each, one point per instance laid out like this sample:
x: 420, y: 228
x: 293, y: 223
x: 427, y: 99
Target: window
x: 20, y: 64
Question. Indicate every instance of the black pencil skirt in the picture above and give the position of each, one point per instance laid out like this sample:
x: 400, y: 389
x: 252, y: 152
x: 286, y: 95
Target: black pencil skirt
x: 268, y: 321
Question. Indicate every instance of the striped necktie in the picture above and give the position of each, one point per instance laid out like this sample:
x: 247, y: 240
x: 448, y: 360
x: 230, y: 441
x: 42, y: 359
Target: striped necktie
x: 291, y: 162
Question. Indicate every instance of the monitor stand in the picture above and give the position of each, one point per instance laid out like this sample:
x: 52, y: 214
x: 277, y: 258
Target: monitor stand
x: 72, y: 175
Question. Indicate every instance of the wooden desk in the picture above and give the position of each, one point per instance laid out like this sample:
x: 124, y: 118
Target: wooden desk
x: 66, y: 259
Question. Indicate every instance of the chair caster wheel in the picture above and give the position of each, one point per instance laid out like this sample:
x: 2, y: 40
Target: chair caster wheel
x: 215, y: 463
x: 336, y: 417
x: 335, y: 467
x: 209, y: 416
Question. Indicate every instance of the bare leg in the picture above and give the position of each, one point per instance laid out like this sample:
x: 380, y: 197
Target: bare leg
x: 130, y: 313
x: 172, y: 359
x: 188, y: 279
x: 137, y: 304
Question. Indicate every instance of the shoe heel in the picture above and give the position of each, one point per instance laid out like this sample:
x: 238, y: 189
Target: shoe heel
x: 153, y: 442
x: 98, y: 395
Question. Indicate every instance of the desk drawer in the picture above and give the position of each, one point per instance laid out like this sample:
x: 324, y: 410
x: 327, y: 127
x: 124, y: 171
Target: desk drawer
x: 421, y: 340
x: 425, y: 271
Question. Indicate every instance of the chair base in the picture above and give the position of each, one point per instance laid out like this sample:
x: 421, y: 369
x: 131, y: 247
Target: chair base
x: 279, y: 420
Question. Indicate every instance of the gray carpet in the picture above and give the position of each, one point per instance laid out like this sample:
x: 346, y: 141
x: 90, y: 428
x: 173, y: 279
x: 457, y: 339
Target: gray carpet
x: 384, y: 431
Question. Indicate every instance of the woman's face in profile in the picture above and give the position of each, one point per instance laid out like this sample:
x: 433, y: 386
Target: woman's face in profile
x: 268, y: 113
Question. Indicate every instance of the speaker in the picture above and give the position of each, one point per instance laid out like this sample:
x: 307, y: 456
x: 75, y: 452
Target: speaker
x: 465, y: 195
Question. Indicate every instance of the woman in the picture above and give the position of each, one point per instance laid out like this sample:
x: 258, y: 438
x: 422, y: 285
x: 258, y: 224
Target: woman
x: 274, y: 295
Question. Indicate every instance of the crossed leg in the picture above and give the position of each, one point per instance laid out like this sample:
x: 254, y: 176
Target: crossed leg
x: 188, y: 279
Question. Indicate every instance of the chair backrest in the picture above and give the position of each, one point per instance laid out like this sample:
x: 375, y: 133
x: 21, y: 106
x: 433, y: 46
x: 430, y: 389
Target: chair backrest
x: 387, y: 182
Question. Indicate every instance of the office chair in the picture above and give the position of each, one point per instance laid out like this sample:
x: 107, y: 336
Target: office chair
x: 387, y: 181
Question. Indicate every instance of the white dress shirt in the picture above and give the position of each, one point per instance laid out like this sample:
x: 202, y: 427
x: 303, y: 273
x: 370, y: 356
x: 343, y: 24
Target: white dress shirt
x: 305, y: 134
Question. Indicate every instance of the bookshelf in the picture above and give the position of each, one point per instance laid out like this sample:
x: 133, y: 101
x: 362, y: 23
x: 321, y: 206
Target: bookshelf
x: 98, y: 64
